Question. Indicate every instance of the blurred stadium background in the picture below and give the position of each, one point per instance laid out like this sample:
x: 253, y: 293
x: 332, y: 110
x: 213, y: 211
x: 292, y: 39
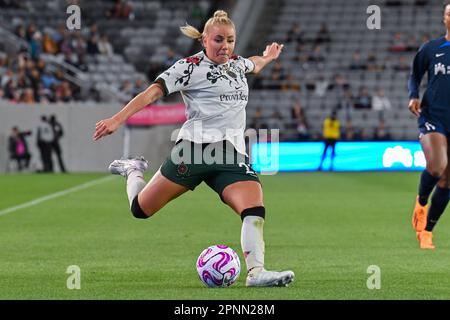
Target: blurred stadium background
x: 331, y: 61
x: 335, y: 225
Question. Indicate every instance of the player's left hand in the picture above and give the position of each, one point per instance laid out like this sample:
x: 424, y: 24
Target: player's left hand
x: 273, y: 51
x: 105, y: 127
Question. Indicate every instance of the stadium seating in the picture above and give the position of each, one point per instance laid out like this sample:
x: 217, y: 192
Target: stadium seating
x: 346, y: 23
x: 141, y: 37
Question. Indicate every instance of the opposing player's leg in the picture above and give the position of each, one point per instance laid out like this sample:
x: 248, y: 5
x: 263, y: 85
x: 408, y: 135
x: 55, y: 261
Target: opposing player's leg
x: 439, y: 201
x: 324, y: 154
x: 246, y: 199
x: 145, y: 199
x: 434, y: 146
x: 333, y: 154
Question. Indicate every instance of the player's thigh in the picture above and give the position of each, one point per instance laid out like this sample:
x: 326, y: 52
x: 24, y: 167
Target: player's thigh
x: 242, y: 195
x: 158, y: 192
x: 434, y: 146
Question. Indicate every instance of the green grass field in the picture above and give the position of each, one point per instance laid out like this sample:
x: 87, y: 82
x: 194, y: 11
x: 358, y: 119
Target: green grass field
x: 327, y: 227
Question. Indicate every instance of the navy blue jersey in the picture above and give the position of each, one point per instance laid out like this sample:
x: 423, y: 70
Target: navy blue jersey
x: 433, y: 57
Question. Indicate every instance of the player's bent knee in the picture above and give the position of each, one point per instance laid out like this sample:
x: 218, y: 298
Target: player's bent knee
x: 137, y: 211
x: 255, y: 211
x: 436, y: 171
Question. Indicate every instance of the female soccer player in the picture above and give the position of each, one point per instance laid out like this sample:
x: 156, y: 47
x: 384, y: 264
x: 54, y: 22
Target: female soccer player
x: 434, y: 125
x: 214, y: 88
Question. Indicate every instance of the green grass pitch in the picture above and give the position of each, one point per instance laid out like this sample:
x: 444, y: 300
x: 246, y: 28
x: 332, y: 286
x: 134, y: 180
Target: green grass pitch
x: 327, y: 227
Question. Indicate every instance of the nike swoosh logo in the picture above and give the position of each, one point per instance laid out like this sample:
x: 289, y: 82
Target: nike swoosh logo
x: 439, y: 55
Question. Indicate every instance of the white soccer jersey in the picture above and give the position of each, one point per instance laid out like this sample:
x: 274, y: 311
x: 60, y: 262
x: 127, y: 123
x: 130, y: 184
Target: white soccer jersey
x: 215, y: 97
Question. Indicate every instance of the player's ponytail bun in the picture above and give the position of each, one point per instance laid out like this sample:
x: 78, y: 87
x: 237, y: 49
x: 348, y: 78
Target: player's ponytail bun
x: 220, y: 17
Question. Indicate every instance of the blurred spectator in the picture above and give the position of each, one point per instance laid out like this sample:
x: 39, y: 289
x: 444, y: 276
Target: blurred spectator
x: 11, y: 92
x: 310, y: 82
x: 295, y: 34
x: 278, y: 68
x: 257, y: 122
x: 20, y: 31
x: 331, y: 134
x: 48, y: 44
x: 126, y: 87
x: 276, y: 121
x: 257, y: 81
x: 363, y: 100
x: 412, y: 43
x: 58, y: 133
x: 153, y: 71
x: 27, y: 96
x: 357, y: 63
x: 290, y: 84
x: 45, y: 138
x: 82, y: 65
x: 79, y: 45
x: 59, y: 34
x: 122, y: 10
x: 6, y: 77
x: 301, y: 57
x: 276, y: 77
x: 139, y: 86
x: 372, y: 64
x: 300, y: 121
x: 64, y: 92
x: 398, y: 44
x: 92, y: 45
x: 402, y: 64
x: 348, y: 131
x: 339, y: 82
x: 170, y: 59
x: 381, y: 132
x: 18, y: 148
x: 104, y: 46
x: 321, y: 86
x: 323, y: 35
x: 65, y: 45
x: 36, y: 45
x: 30, y: 30
x: 316, y: 55
x: 346, y: 102
x: 380, y: 101
x: 43, y: 94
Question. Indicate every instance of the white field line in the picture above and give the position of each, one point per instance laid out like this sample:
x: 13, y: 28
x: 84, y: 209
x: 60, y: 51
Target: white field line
x: 55, y: 195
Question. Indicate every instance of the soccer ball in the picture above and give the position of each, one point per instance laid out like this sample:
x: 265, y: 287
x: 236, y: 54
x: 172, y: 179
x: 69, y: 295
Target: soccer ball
x: 218, y: 266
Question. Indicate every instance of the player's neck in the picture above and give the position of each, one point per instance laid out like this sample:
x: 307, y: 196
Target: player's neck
x: 447, y: 36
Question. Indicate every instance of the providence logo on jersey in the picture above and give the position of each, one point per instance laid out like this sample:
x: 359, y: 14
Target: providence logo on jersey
x: 238, y: 96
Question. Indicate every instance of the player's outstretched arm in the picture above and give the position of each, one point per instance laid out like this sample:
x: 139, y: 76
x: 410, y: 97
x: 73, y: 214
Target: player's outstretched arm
x: 108, y: 126
x: 271, y: 53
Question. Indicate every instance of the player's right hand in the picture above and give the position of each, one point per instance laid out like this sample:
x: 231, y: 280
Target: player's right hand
x: 414, y: 107
x: 105, y: 127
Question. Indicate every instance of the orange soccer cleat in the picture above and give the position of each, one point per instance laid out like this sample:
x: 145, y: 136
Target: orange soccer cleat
x: 426, y: 240
x: 419, y: 219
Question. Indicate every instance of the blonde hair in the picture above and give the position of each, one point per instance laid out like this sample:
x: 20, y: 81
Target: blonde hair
x: 219, y: 17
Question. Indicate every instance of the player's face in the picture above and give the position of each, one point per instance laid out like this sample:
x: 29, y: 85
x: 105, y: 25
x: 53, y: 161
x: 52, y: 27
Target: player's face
x: 447, y: 17
x: 219, y: 43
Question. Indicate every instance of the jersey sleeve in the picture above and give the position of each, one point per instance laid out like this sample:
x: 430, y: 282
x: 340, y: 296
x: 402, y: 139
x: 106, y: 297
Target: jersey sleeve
x: 177, y: 78
x: 419, y: 67
x: 246, y: 64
